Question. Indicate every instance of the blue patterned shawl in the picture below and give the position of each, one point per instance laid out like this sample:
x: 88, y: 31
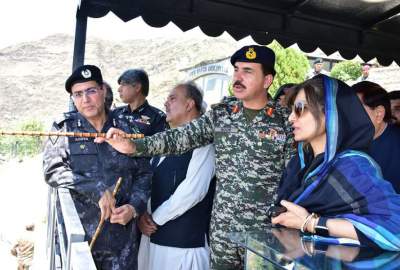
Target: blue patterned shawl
x: 345, y: 182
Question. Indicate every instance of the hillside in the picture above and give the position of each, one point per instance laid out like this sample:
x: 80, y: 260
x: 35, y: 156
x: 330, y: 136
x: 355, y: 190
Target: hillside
x: 32, y: 74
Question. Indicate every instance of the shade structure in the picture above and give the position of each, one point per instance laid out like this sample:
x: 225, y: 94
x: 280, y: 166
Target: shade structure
x: 368, y: 28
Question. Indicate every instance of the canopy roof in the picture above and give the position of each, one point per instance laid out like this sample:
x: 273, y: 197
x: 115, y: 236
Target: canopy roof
x: 369, y: 28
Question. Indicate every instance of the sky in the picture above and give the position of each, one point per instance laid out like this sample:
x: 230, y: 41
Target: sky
x: 28, y: 20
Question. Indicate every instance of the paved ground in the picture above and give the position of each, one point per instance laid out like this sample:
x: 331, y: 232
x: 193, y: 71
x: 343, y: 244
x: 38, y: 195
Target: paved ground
x: 23, y: 198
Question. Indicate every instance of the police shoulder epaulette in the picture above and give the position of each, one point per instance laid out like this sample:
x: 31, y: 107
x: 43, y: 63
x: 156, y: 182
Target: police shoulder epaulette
x: 60, y: 120
x: 118, y: 109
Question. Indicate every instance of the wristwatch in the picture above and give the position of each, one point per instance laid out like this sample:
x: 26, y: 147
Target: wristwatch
x: 321, y: 228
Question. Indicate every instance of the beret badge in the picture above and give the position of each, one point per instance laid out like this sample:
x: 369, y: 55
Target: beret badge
x: 86, y: 73
x: 251, y: 54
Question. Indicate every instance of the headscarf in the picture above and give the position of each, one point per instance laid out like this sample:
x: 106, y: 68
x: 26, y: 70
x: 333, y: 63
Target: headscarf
x: 344, y: 182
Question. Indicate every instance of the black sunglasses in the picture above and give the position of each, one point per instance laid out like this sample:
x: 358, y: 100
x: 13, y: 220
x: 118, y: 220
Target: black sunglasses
x: 299, y: 108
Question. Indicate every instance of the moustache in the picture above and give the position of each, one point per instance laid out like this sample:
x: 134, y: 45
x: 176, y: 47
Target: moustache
x: 237, y: 83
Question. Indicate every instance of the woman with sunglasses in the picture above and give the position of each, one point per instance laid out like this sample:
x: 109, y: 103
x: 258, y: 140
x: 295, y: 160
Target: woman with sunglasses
x: 332, y: 189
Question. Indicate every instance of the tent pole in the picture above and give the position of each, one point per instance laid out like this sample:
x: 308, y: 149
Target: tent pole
x: 80, y: 39
x: 79, y: 45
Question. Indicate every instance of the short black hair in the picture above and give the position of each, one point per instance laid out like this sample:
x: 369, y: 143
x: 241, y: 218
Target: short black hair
x: 394, y: 95
x: 109, y: 95
x: 283, y: 87
x: 374, y: 95
x: 268, y: 70
x: 132, y: 76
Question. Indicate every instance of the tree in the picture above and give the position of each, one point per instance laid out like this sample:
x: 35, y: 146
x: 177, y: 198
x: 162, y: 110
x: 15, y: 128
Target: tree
x: 291, y: 66
x: 346, y: 71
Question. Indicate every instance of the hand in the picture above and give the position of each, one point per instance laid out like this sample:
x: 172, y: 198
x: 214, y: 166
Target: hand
x: 146, y: 224
x: 294, y: 217
x: 115, y: 138
x: 123, y: 214
x: 106, y: 204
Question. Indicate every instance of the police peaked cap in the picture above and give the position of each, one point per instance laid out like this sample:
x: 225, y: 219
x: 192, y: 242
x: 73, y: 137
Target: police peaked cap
x: 84, y: 73
x: 255, y: 54
x: 318, y: 61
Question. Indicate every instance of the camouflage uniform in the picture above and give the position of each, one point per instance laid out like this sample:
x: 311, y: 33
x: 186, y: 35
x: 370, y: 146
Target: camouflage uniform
x: 147, y: 118
x: 87, y: 169
x: 250, y: 158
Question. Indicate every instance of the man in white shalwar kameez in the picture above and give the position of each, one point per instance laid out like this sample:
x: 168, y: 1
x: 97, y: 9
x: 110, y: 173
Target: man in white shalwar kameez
x: 175, y: 234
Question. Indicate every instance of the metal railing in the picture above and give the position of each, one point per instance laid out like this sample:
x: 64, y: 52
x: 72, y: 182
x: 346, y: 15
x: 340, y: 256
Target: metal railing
x: 72, y: 251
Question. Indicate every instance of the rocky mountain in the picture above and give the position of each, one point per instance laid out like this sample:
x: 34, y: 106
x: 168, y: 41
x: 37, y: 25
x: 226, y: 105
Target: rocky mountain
x: 32, y: 75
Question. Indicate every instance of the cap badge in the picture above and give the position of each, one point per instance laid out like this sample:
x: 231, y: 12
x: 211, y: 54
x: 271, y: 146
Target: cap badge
x: 86, y: 73
x: 251, y: 54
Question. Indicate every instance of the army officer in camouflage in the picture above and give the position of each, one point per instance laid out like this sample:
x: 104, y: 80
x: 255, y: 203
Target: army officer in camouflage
x: 90, y: 172
x: 252, y: 140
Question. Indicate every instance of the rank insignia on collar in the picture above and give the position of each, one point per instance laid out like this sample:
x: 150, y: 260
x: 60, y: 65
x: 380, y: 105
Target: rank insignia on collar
x: 235, y: 108
x: 251, y: 54
x: 269, y: 111
x: 144, y: 119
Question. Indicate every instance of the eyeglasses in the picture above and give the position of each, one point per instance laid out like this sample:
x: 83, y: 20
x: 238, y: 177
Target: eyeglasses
x: 87, y: 92
x: 299, y: 108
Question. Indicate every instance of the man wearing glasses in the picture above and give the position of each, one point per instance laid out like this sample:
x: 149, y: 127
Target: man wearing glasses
x: 90, y: 172
x: 133, y: 90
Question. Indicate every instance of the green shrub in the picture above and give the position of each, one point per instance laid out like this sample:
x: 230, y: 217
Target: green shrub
x: 291, y: 66
x: 346, y: 71
x: 22, y: 146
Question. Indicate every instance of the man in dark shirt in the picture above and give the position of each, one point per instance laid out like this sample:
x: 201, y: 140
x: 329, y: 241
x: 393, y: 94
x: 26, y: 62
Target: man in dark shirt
x: 385, y: 148
x: 394, y: 97
x: 133, y: 90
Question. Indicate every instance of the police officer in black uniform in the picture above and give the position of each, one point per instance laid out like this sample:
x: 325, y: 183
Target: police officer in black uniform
x: 133, y: 90
x: 90, y: 172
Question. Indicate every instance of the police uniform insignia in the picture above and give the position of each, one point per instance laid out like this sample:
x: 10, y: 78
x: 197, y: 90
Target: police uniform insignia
x: 251, y: 54
x: 82, y: 146
x: 144, y: 119
x: 86, y: 73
